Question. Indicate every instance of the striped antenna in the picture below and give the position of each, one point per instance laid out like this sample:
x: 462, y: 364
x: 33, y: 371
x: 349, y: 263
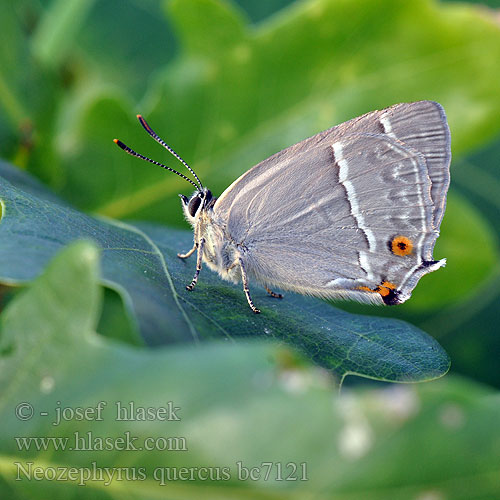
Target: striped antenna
x: 159, y: 140
x: 130, y: 151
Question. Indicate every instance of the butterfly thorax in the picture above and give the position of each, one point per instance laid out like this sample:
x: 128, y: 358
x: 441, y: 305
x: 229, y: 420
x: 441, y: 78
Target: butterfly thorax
x: 219, y: 253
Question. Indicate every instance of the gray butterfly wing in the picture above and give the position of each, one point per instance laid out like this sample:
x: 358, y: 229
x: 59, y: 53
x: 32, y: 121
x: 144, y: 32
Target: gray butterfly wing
x: 353, y: 211
x: 423, y: 126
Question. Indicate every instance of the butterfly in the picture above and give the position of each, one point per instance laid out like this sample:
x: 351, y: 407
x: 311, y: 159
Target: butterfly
x: 352, y: 212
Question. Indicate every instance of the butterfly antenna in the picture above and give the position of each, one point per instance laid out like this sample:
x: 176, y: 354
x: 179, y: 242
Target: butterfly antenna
x: 159, y: 140
x: 130, y: 151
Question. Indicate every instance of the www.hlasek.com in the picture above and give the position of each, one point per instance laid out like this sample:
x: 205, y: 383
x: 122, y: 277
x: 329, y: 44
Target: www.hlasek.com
x: 265, y: 471
x: 87, y: 441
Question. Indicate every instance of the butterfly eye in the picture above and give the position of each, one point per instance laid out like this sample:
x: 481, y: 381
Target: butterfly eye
x: 194, y: 205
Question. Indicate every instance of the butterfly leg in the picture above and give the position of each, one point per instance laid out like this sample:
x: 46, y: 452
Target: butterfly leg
x: 188, y: 254
x: 273, y: 294
x: 244, y: 278
x: 198, y: 263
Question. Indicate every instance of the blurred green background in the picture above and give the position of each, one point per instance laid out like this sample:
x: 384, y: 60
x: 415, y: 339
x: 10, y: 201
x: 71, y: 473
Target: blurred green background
x: 228, y: 83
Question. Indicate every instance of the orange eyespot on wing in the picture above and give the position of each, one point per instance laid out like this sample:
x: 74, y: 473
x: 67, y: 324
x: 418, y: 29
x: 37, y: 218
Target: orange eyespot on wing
x: 401, y: 245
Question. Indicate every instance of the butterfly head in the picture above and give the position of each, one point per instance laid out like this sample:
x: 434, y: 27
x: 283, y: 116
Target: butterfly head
x: 199, y: 201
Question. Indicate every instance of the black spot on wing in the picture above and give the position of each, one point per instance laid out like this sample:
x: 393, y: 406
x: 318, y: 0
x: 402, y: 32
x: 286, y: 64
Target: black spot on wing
x: 392, y: 298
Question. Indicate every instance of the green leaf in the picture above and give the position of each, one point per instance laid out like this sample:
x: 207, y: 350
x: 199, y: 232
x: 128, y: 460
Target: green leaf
x: 208, y: 27
x: 34, y: 229
x: 57, y: 29
x: 139, y: 262
x: 27, y: 96
x: 236, y: 403
x: 14, y: 63
x: 50, y: 297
